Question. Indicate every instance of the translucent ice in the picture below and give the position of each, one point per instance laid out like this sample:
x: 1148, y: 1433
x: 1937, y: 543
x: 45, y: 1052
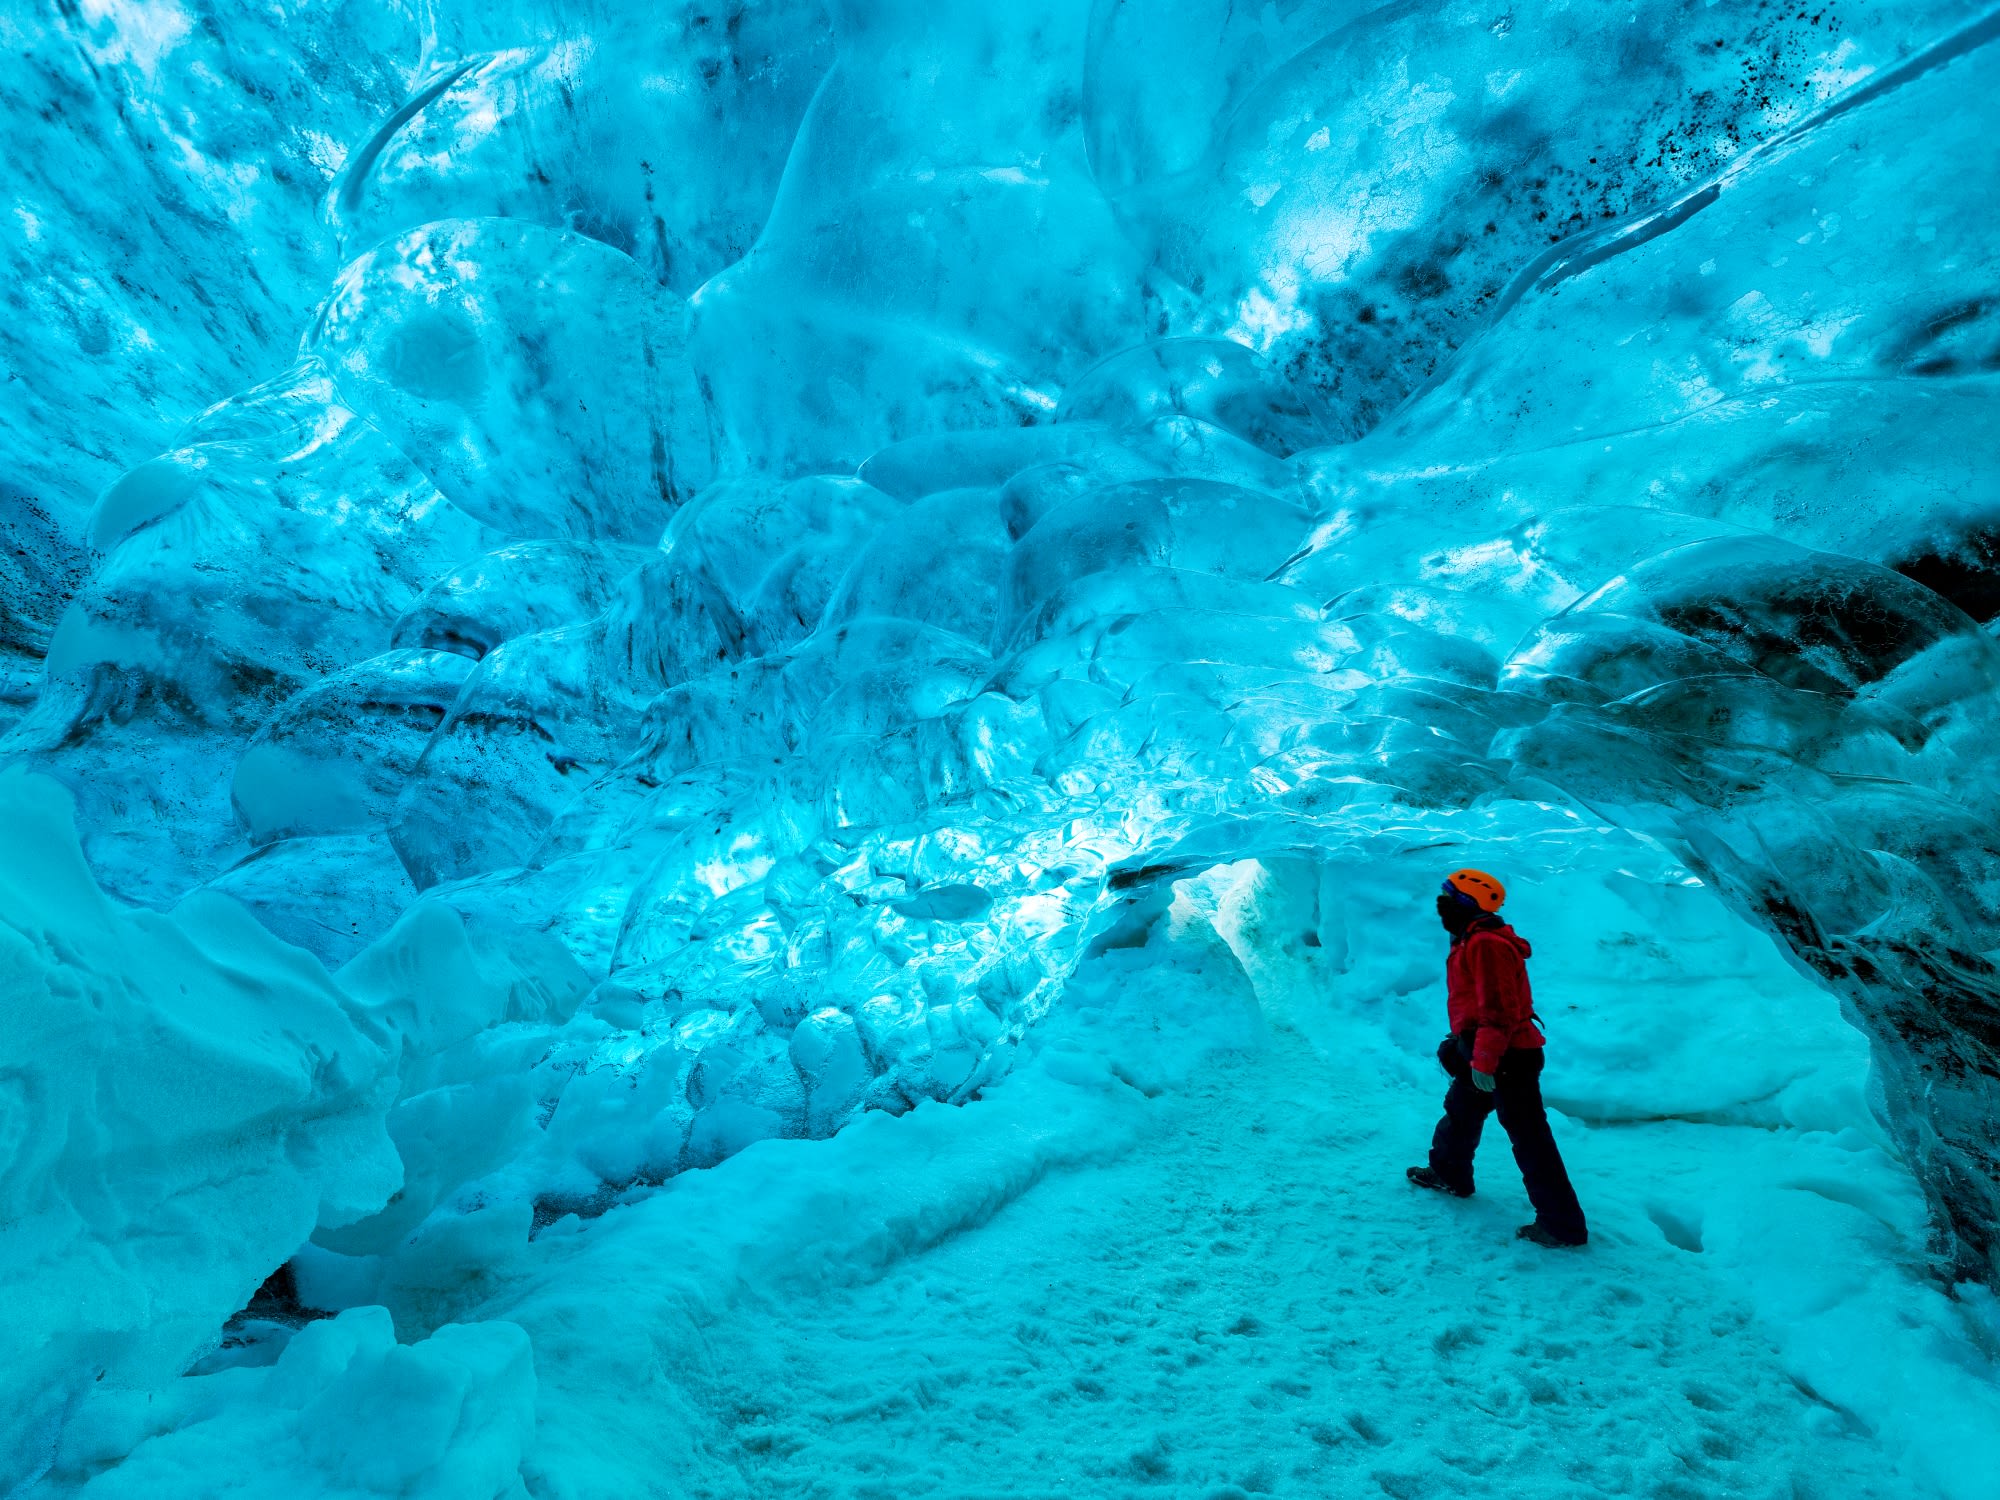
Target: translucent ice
x: 754, y: 540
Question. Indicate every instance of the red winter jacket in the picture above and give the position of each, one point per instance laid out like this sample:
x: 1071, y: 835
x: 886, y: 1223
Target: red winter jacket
x: 1486, y: 988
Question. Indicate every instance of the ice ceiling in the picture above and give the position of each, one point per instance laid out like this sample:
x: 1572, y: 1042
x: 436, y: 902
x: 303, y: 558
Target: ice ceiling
x: 766, y: 529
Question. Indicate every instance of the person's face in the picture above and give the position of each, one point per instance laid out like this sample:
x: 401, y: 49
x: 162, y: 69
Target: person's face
x: 1453, y: 913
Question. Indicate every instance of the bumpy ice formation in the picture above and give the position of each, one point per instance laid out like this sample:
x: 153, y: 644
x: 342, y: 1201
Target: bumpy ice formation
x: 785, y: 528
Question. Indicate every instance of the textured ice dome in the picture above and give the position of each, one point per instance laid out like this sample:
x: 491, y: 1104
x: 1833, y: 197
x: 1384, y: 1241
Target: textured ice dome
x: 722, y: 569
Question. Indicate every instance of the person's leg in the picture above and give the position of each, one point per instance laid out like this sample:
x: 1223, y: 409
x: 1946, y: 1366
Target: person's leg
x: 1457, y: 1135
x: 1518, y: 1097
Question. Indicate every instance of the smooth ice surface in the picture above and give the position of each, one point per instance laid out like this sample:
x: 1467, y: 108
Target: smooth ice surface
x: 740, y: 577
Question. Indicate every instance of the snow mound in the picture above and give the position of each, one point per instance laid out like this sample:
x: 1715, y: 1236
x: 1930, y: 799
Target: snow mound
x: 345, y: 1411
x: 185, y: 1099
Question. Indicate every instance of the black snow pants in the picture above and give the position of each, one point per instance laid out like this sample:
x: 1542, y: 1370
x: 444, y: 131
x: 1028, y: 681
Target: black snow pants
x: 1517, y: 1095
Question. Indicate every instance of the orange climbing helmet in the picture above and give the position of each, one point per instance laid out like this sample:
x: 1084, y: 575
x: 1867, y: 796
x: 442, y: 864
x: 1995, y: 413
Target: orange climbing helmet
x: 1476, y: 886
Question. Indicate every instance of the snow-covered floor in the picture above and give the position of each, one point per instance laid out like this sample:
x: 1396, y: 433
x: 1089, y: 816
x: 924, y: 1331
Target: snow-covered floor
x: 1251, y: 1301
x: 1174, y: 1254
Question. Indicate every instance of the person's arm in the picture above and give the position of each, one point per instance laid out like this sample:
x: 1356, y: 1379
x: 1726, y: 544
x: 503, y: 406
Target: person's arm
x: 1496, y: 973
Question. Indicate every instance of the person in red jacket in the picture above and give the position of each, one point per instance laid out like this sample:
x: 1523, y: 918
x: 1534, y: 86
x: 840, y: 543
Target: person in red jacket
x: 1494, y: 1057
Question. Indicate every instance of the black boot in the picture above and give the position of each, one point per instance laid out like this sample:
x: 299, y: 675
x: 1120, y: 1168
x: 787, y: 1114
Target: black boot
x: 1424, y: 1177
x: 1534, y: 1234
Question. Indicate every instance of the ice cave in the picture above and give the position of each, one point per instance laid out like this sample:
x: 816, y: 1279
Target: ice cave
x: 728, y: 732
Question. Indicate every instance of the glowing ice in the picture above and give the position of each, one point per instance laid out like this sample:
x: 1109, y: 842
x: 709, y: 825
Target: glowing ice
x: 780, y: 536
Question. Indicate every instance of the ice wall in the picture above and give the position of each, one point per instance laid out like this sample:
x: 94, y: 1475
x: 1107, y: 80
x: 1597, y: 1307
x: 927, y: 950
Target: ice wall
x: 787, y: 527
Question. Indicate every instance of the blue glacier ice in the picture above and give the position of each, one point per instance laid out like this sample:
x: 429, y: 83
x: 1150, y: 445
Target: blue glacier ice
x: 723, y: 730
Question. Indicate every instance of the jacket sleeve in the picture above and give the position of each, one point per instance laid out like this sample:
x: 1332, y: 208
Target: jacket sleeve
x: 1500, y: 999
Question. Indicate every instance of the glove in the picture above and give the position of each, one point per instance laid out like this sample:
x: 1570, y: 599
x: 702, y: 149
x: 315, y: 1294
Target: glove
x: 1482, y: 1081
